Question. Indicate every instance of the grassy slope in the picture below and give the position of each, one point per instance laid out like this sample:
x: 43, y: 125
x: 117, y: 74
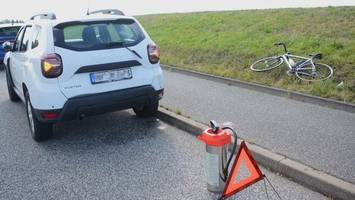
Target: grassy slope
x: 227, y: 43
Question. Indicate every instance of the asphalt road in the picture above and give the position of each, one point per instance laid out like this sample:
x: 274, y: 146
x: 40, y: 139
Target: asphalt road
x: 111, y: 156
x: 320, y: 137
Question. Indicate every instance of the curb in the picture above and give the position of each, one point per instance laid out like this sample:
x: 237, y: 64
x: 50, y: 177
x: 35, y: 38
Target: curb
x: 330, y: 103
x: 314, y: 179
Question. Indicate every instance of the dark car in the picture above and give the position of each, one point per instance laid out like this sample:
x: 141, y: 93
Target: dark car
x: 8, y: 32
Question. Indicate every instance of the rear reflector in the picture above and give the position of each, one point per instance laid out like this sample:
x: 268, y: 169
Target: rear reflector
x: 50, y: 115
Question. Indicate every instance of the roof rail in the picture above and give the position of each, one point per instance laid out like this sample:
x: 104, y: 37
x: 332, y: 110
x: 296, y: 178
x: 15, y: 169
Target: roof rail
x: 107, y: 11
x: 44, y: 16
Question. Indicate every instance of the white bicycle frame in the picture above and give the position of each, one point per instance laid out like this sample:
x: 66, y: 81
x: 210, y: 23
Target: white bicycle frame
x: 299, y: 66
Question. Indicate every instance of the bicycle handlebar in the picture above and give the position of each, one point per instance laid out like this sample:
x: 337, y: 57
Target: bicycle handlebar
x: 278, y: 44
x: 283, y: 44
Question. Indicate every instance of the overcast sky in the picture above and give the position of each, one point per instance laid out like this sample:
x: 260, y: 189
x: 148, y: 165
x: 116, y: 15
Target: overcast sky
x: 23, y: 9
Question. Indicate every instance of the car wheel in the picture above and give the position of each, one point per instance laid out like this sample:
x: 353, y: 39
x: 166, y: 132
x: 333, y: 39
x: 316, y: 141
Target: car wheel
x: 147, y: 110
x: 10, y: 88
x: 39, y: 131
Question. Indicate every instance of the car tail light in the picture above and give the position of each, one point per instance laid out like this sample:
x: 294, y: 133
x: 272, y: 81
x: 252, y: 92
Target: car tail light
x: 51, y: 65
x: 153, y: 53
x: 161, y: 93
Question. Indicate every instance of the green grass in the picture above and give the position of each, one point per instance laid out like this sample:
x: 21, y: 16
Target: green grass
x: 227, y: 43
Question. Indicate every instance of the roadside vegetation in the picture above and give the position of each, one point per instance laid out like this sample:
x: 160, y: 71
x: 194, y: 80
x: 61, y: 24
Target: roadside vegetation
x: 227, y: 43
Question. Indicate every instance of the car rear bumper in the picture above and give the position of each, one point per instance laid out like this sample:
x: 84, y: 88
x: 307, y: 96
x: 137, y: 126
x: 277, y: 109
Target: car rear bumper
x: 93, y: 104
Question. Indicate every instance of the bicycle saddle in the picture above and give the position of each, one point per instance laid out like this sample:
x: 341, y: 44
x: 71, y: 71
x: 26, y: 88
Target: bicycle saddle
x: 317, y: 56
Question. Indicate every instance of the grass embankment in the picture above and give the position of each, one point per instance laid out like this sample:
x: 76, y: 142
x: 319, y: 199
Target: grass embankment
x: 227, y: 43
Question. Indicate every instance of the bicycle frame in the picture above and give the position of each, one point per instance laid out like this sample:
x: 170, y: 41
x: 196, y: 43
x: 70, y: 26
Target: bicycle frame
x: 305, y: 61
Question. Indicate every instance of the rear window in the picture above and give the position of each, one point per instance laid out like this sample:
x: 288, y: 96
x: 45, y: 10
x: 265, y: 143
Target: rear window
x: 9, y: 31
x: 86, y: 36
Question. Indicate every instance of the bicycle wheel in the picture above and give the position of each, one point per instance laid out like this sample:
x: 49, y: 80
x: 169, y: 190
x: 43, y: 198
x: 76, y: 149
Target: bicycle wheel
x: 322, y: 72
x: 266, y: 64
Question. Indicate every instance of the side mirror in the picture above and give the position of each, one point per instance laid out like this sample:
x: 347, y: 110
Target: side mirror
x: 7, y: 46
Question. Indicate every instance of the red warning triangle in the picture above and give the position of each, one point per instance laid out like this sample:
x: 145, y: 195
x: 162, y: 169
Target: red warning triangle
x: 237, y: 180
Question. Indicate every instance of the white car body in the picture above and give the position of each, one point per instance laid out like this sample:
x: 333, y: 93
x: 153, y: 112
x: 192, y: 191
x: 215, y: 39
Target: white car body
x: 48, y: 94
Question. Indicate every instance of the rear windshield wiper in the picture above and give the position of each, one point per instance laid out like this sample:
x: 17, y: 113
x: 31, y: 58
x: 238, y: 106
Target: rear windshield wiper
x: 115, y: 44
x: 122, y: 44
x: 134, y: 52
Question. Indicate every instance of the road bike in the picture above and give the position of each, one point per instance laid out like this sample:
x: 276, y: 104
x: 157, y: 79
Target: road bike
x: 305, y: 68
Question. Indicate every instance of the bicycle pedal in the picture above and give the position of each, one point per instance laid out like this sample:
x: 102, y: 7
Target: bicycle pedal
x: 290, y: 73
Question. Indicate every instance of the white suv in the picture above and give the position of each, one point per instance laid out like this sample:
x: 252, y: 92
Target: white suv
x: 65, y: 70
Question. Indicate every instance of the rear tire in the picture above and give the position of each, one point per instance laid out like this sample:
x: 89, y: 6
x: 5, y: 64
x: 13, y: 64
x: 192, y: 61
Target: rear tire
x: 10, y: 87
x: 266, y: 64
x: 39, y: 131
x: 150, y: 109
x: 323, y: 72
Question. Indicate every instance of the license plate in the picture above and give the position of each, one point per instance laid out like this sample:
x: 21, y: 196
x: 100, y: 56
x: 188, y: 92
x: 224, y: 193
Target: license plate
x: 110, y: 76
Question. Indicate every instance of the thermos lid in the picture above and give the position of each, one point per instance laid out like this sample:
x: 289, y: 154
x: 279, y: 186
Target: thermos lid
x: 217, y: 139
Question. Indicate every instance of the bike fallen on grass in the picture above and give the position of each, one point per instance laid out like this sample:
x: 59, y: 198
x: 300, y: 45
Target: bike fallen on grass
x: 305, y: 68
